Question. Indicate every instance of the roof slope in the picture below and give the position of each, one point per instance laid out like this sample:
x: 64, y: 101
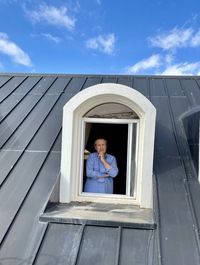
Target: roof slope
x: 30, y: 140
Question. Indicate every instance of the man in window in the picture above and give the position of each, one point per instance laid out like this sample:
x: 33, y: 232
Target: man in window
x: 101, y: 168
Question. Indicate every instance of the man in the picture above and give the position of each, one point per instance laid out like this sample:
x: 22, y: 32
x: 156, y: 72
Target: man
x: 101, y: 168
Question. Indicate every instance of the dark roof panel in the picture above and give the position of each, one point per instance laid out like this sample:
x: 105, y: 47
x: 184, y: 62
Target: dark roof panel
x: 27, y: 86
x: 7, y: 160
x: 91, y: 81
x: 4, y: 79
x: 15, y: 188
x: 157, y: 88
x: 9, y: 87
x: 60, y: 245
x: 43, y: 86
x: 174, y: 87
x: 76, y: 84
x: 22, y: 241
x: 26, y: 130
x: 142, y: 85
x: 9, y: 125
x: 127, y: 81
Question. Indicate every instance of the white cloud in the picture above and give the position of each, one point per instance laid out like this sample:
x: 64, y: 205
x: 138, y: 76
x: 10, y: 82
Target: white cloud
x: 57, y: 16
x: 153, y: 61
x: 183, y: 69
x: 51, y: 37
x: 103, y: 43
x: 175, y: 38
x: 12, y: 50
x: 195, y: 41
x: 169, y: 58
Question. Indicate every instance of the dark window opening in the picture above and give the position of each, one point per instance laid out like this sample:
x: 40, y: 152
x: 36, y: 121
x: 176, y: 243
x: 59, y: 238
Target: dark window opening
x: 117, y: 137
x: 191, y: 126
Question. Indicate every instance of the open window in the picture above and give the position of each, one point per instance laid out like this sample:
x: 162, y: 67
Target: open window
x: 127, y: 120
x: 119, y: 125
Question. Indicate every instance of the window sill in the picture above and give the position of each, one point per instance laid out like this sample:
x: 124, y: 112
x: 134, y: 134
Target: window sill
x: 91, y: 213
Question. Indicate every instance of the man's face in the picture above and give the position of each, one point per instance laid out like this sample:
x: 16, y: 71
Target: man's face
x: 100, y: 146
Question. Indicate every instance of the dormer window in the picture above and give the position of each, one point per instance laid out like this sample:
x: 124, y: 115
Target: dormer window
x: 119, y: 125
x: 127, y: 120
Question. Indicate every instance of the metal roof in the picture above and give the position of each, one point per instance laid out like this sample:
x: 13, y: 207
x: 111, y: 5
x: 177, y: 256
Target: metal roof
x: 30, y: 141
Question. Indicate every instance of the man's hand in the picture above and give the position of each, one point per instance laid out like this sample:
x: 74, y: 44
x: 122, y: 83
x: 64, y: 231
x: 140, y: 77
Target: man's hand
x: 103, y: 176
x: 101, y: 156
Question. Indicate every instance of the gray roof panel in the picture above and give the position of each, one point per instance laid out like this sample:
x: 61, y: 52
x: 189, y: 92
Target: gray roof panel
x: 127, y: 81
x: 91, y: 81
x: 27, y: 129
x: 27, y: 85
x: 57, y: 145
x: 60, y: 245
x: 109, y: 79
x: 8, y: 105
x: 75, y: 85
x: 10, y: 86
x: 174, y: 87
x: 16, y: 187
x: 7, y: 161
x: 136, y: 245
x: 164, y: 129
x: 97, y: 245
x: 157, y: 87
x: 52, y: 124
x: 142, y: 85
x: 192, y: 91
x: 43, y: 85
x: 59, y: 85
x: 26, y: 226
x: 16, y: 117
x: 4, y: 79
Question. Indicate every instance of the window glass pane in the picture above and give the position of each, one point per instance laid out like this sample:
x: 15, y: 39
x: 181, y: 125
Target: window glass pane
x: 112, y: 110
x: 133, y: 160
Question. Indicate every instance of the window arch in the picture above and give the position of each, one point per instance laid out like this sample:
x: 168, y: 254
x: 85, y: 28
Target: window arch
x: 85, y: 104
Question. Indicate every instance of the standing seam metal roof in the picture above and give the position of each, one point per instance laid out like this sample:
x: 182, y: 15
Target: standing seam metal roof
x: 30, y: 140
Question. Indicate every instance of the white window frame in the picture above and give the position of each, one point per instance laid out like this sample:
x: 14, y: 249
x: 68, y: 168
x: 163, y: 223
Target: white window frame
x: 73, y: 113
x: 87, y: 196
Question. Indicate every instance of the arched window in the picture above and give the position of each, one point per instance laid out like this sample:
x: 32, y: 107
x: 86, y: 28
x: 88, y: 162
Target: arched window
x: 127, y: 119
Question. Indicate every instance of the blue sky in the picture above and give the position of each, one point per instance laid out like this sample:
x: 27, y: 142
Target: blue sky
x: 156, y: 37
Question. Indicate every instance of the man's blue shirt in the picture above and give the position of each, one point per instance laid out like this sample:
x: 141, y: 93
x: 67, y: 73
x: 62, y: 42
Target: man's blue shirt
x: 95, y: 168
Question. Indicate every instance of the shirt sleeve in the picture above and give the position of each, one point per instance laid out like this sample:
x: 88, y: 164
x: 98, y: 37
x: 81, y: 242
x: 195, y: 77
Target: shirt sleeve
x: 113, y: 171
x: 90, y: 172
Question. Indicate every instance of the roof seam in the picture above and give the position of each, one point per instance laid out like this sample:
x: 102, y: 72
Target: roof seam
x: 6, y: 81
x: 190, y: 103
x: 79, y: 244
x: 14, y: 89
x: 27, y: 115
x: 186, y: 186
x: 20, y: 100
x: 29, y: 189
x: 34, y: 258
x: 33, y: 134
x: 119, y: 240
